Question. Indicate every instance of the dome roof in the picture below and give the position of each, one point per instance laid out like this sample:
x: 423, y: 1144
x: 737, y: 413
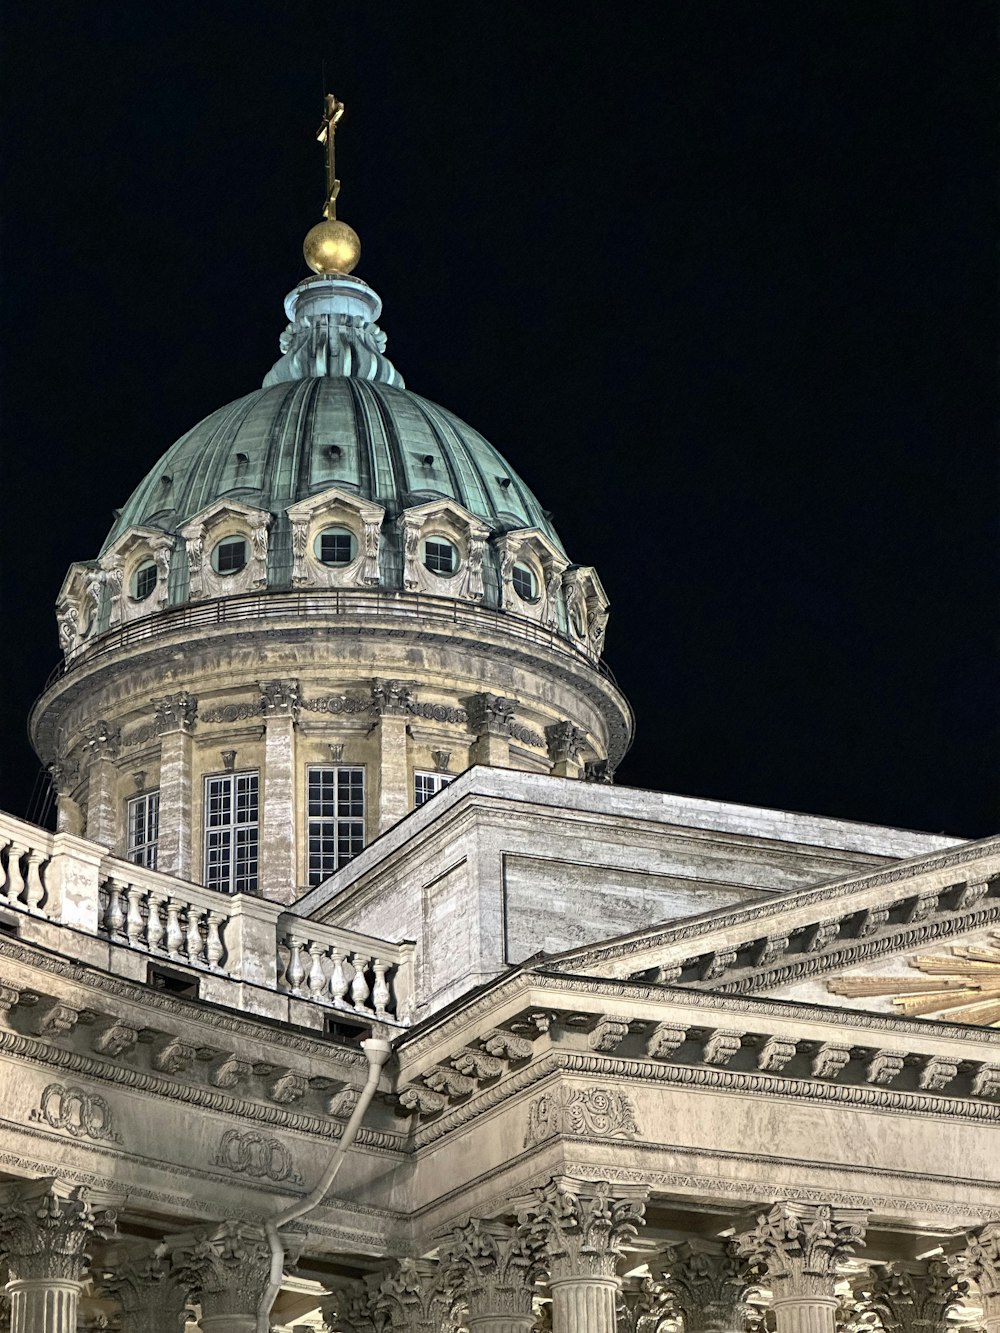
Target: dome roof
x: 300, y: 436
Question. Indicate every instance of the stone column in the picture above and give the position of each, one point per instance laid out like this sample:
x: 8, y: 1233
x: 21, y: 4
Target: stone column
x: 705, y: 1281
x: 582, y: 1229
x: 564, y: 740
x: 278, y: 821
x: 226, y: 1270
x: 980, y: 1263
x: 490, y: 717
x: 493, y: 1267
x: 175, y: 719
x: 101, y: 744
x: 800, y: 1245
x: 44, y: 1229
x: 391, y: 706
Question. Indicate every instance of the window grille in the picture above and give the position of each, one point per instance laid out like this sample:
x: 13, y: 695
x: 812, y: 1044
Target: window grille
x: 144, y: 829
x: 336, y: 801
x: 232, y: 832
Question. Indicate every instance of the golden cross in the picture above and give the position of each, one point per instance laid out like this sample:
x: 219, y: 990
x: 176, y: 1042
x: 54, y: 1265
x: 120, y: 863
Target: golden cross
x: 326, y: 134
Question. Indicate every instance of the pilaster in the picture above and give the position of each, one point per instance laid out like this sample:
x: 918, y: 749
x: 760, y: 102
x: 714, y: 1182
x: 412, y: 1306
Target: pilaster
x: 490, y: 717
x: 278, y: 820
x: 564, y: 740
x: 799, y: 1246
x: 175, y: 719
x: 390, y: 703
x: 44, y: 1229
x: 582, y: 1230
x: 226, y: 1270
x: 101, y: 745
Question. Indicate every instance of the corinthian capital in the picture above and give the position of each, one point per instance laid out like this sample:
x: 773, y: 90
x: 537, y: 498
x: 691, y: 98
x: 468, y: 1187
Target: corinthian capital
x: 493, y: 1266
x: 45, y: 1227
x: 980, y: 1260
x: 800, y: 1245
x: 582, y: 1227
x: 225, y: 1268
x: 413, y: 1296
x: 910, y: 1297
x: 705, y: 1280
x: 150, y: 1295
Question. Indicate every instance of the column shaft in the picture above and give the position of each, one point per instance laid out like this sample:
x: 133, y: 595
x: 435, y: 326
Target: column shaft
x: 501, y: 1323
x: 229, y: 1323
x: 277, y: 817
x: 805, y: 1314
x: 43, y: 1305
x: 583, y: 1304
x: 174, y: 850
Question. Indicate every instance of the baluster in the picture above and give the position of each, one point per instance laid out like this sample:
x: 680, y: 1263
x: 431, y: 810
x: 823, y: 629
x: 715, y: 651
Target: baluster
x: 154, y: 922
x: 359, y: 983
x: 15, y: 880
x: 380, y: 991
x: 317, y: 977
x: 114, y: 918
x: 214, y: 948
x: 195, y: 942
x: 338, y: 979
x: 3, y: 870
x: 295, y: 972
x: 175, y: 936
x: 133, y: 916
x: 34, y: 892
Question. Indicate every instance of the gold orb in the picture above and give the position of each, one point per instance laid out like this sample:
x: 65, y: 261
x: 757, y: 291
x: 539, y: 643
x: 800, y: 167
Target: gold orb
x: 332, y: 247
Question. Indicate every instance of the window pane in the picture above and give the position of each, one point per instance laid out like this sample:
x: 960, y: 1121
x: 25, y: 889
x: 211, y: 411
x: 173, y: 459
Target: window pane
x: 231, y: 832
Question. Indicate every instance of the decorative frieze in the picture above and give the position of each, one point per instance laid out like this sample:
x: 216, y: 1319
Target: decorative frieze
x: 240, y: 712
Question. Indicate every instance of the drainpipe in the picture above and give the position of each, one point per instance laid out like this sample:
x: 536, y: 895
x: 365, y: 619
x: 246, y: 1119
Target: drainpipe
x: 378, y: 1051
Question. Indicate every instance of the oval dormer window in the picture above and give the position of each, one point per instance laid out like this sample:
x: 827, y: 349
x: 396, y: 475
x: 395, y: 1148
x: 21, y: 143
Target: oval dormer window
x: 525, y: 583
x: 230, y: 556
x: 336, y: 546
x: 144, y: 581
x: 440, y: 556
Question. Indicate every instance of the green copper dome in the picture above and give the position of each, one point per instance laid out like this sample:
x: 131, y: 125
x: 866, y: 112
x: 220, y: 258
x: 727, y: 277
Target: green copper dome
x: 298, y: 437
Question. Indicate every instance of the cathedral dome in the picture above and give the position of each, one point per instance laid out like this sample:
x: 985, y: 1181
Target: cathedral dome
x: 297, y: 438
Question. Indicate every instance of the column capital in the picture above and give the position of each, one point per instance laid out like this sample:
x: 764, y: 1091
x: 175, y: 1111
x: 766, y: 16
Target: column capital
x: 910, y: 1296
x: 801, y: 1244
x: 280, y: 698
x: 493, y: 1266
x: 413, y: 1295
x: 979, y: 1261
x: 151, y: 1296
x: 226, y: 1268
x: 705, y: 1280
x: 582, y: 1227
x: 175, y: 712
x: 45, y: 1226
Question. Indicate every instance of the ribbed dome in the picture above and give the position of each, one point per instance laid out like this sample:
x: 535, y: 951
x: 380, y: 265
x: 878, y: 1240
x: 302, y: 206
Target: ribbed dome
x: 294, y: 439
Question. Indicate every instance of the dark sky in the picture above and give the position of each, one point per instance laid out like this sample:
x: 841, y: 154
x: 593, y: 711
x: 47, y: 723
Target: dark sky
x: 717, y: 278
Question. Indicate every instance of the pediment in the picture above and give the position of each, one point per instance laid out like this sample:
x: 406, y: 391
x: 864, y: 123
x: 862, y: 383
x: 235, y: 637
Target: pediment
x: 330, y: 500
x: 885, y: 941
x: 446, y: 509
x: 135, y: 539
x: 221, y: 511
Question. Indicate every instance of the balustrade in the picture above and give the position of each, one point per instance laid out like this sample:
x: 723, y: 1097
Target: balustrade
x: 25, y: 852
x: 160, y: 916
x: 340, y: 969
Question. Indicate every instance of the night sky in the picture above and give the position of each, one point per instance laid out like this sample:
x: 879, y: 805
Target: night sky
x: 718, y: 279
